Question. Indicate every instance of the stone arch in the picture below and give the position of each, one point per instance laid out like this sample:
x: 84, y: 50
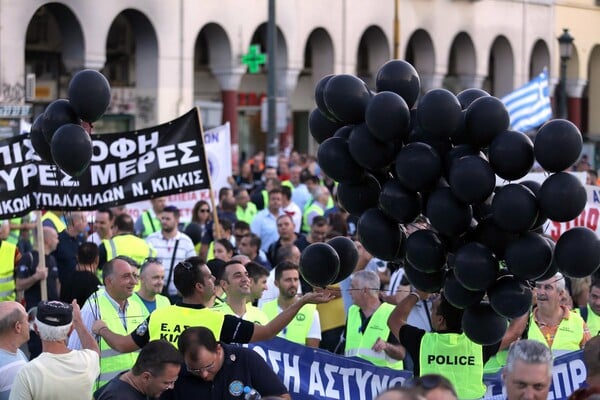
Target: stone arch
x: 501, y: 68
x: 373, y: 51
x: 462, y: 64
x: 540, y: 58
x: 421, y: 54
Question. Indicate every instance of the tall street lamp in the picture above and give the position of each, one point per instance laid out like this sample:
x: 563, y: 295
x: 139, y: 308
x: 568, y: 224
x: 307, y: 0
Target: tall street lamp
x: 565, y: 46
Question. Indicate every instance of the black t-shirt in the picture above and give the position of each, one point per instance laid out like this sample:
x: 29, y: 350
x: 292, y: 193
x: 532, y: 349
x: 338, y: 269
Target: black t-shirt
x: 27, y: 266
x: 241, y: 367
x: 79, y: 285
x: 116, y: 389
x: 233, y: 330
x: 411, y: 337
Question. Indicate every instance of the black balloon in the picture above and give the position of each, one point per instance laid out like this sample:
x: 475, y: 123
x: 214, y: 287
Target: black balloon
x: 472, y: 179
x: 38, y: 141
x: 321, y: 128
x: 357, y: 198
x: 388, y: 116
x: 400, y: 77
x: 511, y: 155
x: 457, y: 152
x: 529, y: 256
x: 446, y: 213
x: 429, y: 283
x: 346, y: 98
x: 335, y: 160
x: 577, y: 252
x: 483, y: 325
x: 441, y: 145
x: 319, y: 264
x: 89, y: 93
x: 486, y: 118
x: 418, y: 167
x: 71, y: 148
x: 535, y: 188
x: 369, y: 152
x: 348, y: 254
x: 319, y: 90
x: 58, y: 113
x: 490, y: 235
x: 475, y: 266
x: 425, y: 251
x: 459, y: 136
x: 514, y: 208
x: 509, y: 297
x: 458, y: 295
x: 398, y: 203
x: 439, y: 113
x: 344, y: 132
x: 467, y: 96
x: 379, y: 235
x: 562, y: 197
x: 557, y: 145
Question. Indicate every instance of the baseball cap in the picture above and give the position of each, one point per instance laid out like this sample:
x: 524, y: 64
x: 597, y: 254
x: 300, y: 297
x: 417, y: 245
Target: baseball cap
x: 54, y: 313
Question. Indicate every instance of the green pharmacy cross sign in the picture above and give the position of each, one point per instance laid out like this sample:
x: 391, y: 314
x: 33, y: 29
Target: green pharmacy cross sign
x: 254, y: 59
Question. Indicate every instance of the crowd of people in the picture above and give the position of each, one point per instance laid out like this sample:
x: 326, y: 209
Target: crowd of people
x: 163, y: 301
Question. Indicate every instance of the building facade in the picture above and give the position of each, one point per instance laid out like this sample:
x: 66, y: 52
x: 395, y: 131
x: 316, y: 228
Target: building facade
x: 164, y: 57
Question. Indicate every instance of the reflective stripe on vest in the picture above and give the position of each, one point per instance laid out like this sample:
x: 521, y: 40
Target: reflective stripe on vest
x: 297, y: 330
x: 593, y: 322
x: 113, y: 362
x: 169, y: 322
x: 567, y: 338
x: 7, y: 271
x: 128, y: 245
x: 360, y: 344
x: 151, y: 224
x: 253, y: 314
x: 457, y: 358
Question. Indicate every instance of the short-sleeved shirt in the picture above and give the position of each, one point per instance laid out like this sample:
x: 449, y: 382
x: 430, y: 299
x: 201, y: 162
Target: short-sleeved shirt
x: 411, y: 337
x: 233, y: 330
x: 10, y: 364
x: 241, y: 367
x: 27, y: 267
x: 116, y: 389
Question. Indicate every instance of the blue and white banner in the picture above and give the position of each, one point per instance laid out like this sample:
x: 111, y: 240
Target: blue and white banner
x: 529, y: 106
x: 317, y: 374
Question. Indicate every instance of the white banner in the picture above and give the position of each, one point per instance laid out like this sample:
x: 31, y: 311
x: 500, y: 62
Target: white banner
x: 217, y: 146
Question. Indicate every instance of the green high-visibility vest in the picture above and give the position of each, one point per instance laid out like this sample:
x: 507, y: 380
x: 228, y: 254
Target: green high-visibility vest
x: 111, y: 361
x: 253, y: 314
x: 169, y: 322
x: 360, y: 344
x: 8, y: 285
x: 297, y: 330
x: 128, y: 245
x: 314, y: 207
x: 455, y: 357
x: 568, y: 335
x: 248, y: 214
x: 161, y: 301
x: 151, y: 224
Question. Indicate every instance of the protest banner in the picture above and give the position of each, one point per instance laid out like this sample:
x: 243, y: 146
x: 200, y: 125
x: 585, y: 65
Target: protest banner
x: 125, y: 167
x: 217, y: 145
x: 313, y: 373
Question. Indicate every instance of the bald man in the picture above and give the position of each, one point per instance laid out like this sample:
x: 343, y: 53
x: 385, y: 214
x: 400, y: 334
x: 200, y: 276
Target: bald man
x: 14, y: 332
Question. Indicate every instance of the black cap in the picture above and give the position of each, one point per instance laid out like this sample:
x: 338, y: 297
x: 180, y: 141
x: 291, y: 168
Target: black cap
x: 54, y: 313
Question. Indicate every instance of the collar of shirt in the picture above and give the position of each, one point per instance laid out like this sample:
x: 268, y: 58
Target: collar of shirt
x: 188, y: 305
x: 565, y: 316
x: 116, y: 305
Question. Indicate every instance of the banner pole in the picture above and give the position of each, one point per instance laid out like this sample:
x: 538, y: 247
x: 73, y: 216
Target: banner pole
x: 210, y: 186
x: 41, y: 253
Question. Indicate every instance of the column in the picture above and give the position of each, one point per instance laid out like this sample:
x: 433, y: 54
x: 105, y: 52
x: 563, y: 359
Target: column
x: 229, y: 79
x: 575, y: 89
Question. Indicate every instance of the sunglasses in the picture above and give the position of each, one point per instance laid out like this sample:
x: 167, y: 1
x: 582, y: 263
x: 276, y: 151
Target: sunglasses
x: 429, y: 382
x: 185, y: 264
x: 203, y: 210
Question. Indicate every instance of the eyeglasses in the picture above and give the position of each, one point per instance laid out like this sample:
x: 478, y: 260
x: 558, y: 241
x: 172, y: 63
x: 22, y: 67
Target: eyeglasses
x: 429, y: 382
x: 208, y: 368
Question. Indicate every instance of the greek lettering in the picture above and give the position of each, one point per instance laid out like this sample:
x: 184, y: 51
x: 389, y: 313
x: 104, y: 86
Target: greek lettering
x: 122, y: 148
x: 145, y: 144
x: 167, y: 157
x: 188, y: 151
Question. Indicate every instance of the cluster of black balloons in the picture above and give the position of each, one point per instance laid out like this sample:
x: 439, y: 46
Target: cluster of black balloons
x: 57, y: 134
x: 397, y: 159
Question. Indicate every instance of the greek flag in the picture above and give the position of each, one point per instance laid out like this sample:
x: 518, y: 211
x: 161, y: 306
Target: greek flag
x: 529, y: 106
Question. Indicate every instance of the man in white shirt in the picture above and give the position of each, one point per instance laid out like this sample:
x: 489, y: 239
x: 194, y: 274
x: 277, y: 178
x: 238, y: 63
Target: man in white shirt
x: 290, y: 208
x: 264, y: 224
x: 59, y: 372
x: 171, y: 247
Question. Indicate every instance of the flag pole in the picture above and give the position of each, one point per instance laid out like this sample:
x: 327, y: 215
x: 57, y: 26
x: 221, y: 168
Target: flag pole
x: 210, y: 186
x: 41, y: 254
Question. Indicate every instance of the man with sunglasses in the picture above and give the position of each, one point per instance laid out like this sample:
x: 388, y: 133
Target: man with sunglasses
x: 196, y: 284
x: 215, y: 370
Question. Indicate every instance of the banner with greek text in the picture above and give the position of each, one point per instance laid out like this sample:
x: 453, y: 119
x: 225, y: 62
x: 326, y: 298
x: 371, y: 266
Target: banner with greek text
x: 312, y: 373
x: 125, y: 167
